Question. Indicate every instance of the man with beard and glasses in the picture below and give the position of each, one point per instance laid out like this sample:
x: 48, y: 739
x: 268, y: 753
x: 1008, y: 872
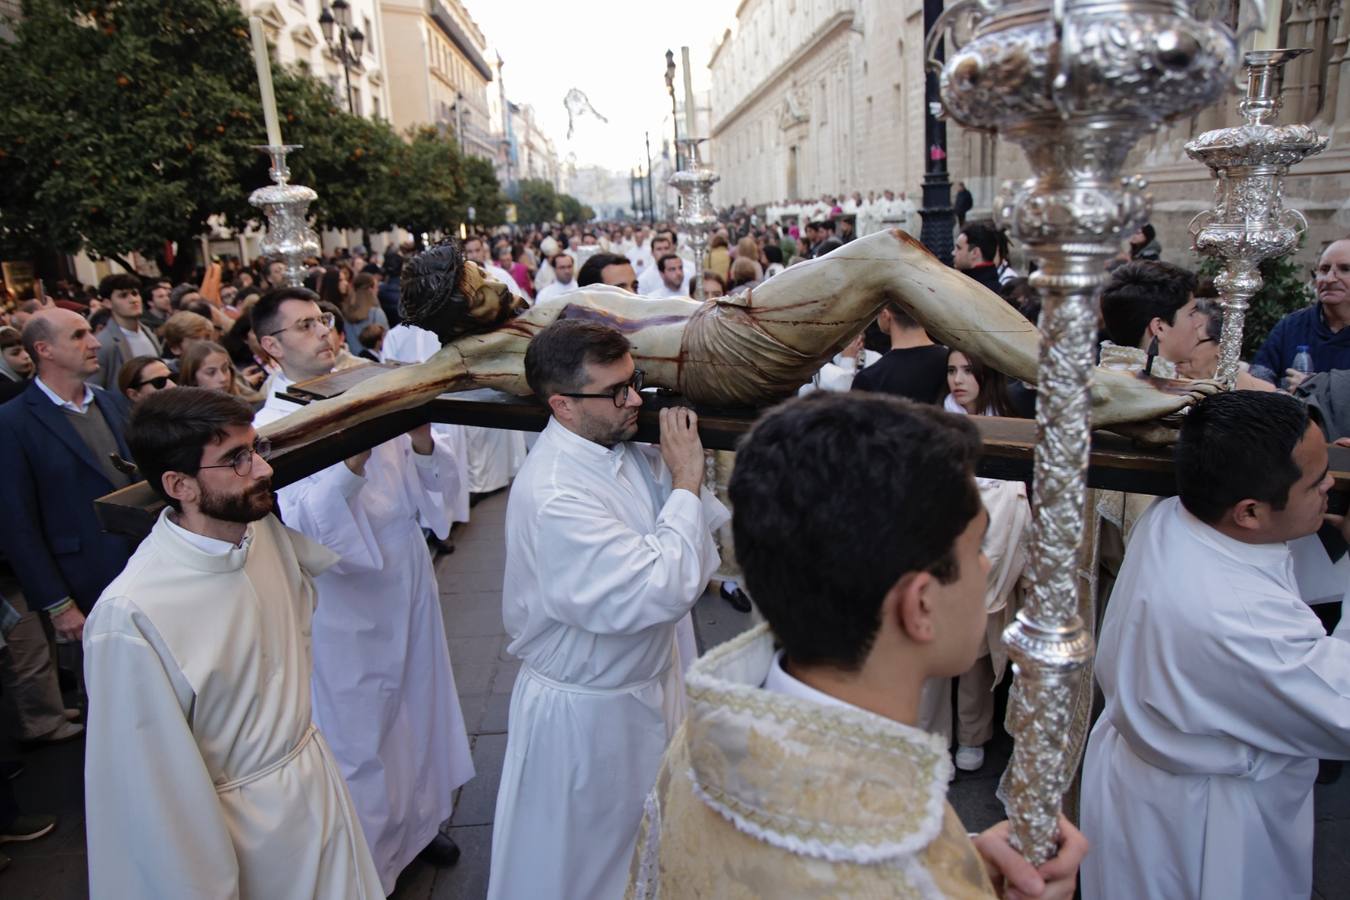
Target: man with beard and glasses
x: 204, y: 772
x: 608, y: 546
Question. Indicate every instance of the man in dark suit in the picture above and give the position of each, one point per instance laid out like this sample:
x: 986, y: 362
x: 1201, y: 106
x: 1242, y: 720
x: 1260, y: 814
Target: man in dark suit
x: 56, y: 441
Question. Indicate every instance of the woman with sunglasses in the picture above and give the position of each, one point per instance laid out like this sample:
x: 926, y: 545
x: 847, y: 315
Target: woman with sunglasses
x: 142, y: 376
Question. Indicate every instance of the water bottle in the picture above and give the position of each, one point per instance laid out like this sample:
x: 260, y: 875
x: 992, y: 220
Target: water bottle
x: 1302, y: 360
x: 1302, y: 364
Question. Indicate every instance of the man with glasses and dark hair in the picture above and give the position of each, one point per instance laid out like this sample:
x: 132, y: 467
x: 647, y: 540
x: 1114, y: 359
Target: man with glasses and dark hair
x: 384, y: 694
x: 608, y: 546
x: 203, y: 770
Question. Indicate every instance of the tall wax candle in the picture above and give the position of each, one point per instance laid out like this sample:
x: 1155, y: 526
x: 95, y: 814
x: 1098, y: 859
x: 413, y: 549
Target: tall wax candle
x: 689, y: 127
x: 1268, y: 38
x: 264, y: 63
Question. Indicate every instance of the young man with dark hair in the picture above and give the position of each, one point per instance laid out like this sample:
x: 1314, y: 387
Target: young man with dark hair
x: 384, y: 692
x: 652, y: 282
x: 608, y: 268
x: 1148, y: 309
x: 203, y: 770
x: 858, y: 526
x: 976, y: 253
x: 125, y: 337
x: 914, y: 368
x: 158, y: 304
x: 671, y: 268
x: 608, y: 546
x: 824, y: 240
x: 1222, y: 687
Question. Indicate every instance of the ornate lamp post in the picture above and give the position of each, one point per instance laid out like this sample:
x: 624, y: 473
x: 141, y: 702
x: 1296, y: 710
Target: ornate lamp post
x: 349, y: 44
x: 697, y: 215
x: 674, y: 110
x: 1249, y: 222
x: 1076, y: 83
x: 939, y: 219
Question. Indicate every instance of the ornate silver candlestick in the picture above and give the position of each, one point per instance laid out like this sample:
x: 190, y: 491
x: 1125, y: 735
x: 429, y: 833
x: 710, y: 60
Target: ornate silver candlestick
x: 1076, y: 83
x: 289, y: 236
x: 697, y: 215
x: 1249, y: 222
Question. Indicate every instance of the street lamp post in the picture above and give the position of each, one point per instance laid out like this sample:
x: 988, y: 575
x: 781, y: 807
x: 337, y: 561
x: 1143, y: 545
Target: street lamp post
x: 349, y: 43
x: 674, y: 112
x: 939, y: 218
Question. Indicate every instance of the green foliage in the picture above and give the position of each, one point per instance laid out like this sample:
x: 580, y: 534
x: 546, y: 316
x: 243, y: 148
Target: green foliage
x: 130, y: 123
x: 1284, y: 289
x: 537, y: 203
x: 126, y: 122
x: 573, y: 210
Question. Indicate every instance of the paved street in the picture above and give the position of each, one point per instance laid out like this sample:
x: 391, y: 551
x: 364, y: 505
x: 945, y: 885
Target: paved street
x: 54, y: 868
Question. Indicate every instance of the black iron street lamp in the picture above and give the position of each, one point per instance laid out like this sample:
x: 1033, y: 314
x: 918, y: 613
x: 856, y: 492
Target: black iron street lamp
x: 939, y: 219
x: 674, y: 114
x: 349, y: 44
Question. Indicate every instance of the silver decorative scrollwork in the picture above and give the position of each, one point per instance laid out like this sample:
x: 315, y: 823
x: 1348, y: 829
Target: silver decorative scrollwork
x: 1249, y: 222
x: 698, y: 216
x: 289, y: 236
x: 1075, y: 83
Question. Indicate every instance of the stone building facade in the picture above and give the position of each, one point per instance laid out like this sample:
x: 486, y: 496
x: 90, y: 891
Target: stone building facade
x: 439, y: 59
x: 293, y: 28
x: 813, y: 97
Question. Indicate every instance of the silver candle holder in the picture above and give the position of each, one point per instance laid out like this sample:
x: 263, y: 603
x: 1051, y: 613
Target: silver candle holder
x: 286, y: 206
x: 1076, y: 83
x: 1249, y: 223
x: 698, y: 216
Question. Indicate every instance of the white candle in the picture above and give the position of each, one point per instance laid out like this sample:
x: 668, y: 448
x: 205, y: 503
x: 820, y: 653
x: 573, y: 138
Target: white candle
x: 1269, y: 37
x: 688, y: 95
x: 264, y: 63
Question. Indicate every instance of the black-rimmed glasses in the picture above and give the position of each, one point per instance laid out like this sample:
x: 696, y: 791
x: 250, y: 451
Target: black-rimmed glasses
x: 620, y: 394
x: 305, y: 326
x: 242, y: 460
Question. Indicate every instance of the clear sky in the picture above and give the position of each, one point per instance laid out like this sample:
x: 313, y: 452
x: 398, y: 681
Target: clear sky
x: 612, y: 52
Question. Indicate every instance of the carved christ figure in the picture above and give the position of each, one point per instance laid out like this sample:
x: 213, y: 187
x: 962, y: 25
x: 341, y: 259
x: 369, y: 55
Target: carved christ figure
x: 746, y: 350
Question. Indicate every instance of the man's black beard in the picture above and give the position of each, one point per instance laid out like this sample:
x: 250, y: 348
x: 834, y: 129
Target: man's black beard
x: 249, y: 506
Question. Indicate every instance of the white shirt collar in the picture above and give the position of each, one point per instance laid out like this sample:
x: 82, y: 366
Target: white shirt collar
x: 778, y: 681
x: 611, y: 457
x: 208, y: 545
x: 81, y: 407
x: 1261, y: 555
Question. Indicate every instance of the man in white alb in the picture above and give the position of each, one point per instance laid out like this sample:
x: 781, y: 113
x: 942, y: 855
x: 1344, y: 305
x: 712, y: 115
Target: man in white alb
x: 204, y: 775
x: 608, y: 546
x: 1222, y: 687
x: 564, y: 278
x: 384, y: 694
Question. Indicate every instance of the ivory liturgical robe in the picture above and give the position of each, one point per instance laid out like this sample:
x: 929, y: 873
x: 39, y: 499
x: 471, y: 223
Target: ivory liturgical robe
x: 773, y: 789
x: 204, y: 775
x: 1222, y: 691
x: 603, y: 560
x: 384, y: 694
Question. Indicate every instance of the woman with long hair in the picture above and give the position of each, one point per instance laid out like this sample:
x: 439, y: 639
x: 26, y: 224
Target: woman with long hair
x: 977, y: 390
x: 362, y: 309
x: 208, y: 365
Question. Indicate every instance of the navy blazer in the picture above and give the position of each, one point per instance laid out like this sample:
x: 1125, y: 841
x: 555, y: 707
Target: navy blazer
x: 49, y: 479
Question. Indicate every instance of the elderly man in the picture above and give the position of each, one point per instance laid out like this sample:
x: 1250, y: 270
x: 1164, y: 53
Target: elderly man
x: 1319, y: 327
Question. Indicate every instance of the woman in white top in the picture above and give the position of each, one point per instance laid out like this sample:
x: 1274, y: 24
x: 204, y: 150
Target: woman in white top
x: 975, y: 389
